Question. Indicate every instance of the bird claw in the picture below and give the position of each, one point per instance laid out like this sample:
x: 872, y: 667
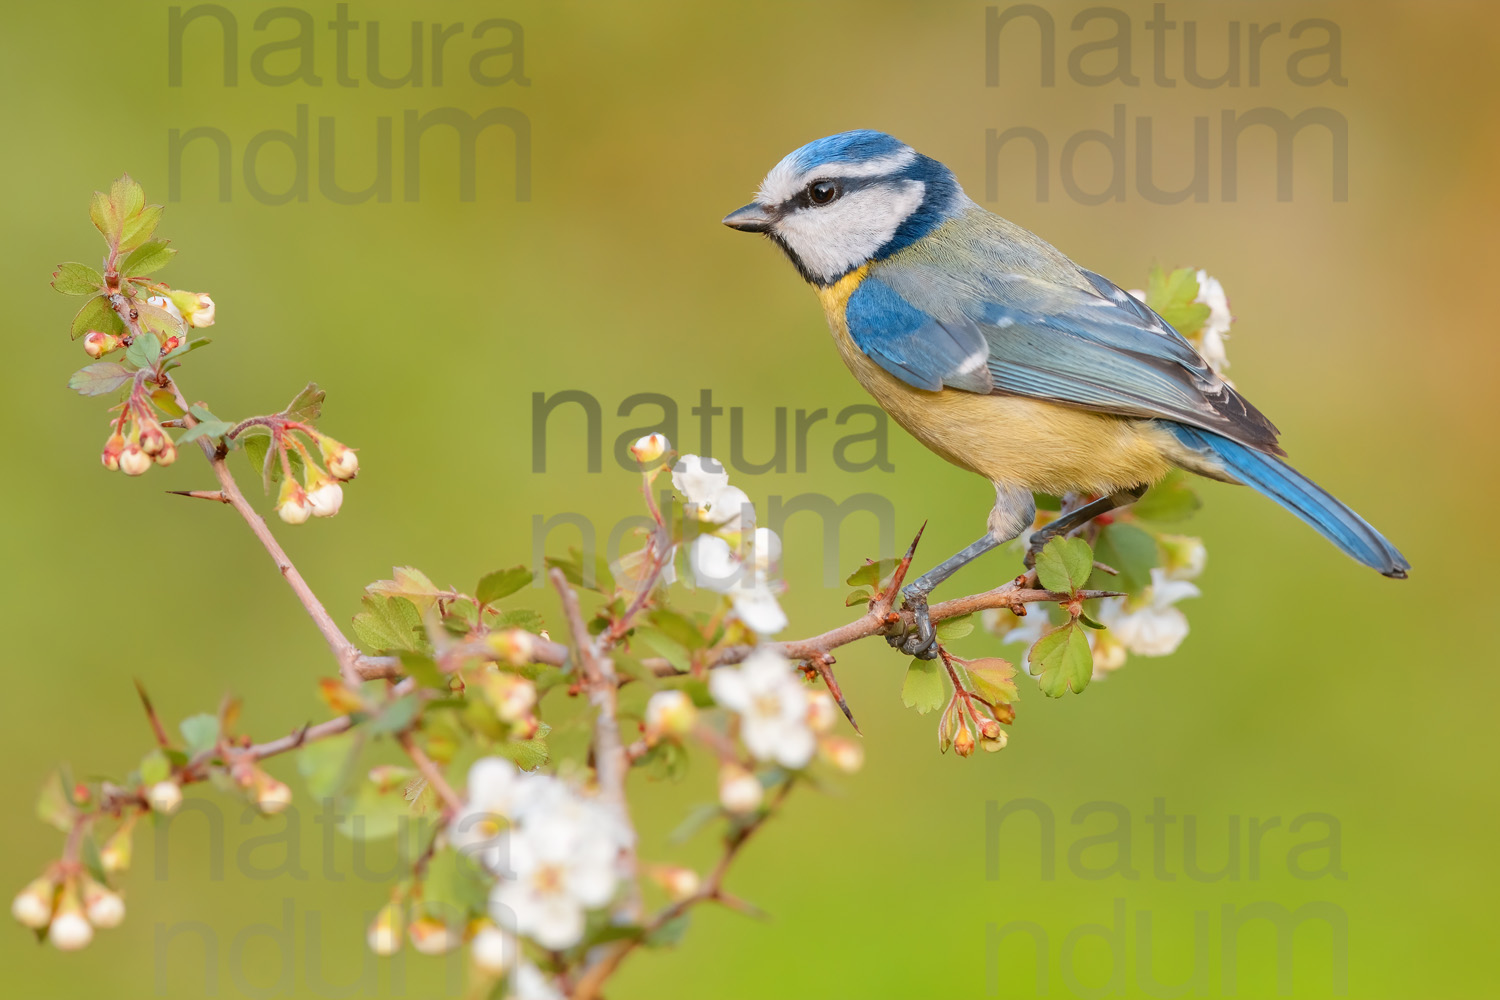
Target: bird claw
x: 1034, y: 546
x: 921, y: 642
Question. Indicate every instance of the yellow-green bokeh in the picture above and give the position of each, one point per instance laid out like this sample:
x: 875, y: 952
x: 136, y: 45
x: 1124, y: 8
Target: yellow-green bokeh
x: 1308, y: 685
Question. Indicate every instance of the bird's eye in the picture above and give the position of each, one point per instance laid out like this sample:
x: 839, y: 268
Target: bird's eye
x: 823, y: 192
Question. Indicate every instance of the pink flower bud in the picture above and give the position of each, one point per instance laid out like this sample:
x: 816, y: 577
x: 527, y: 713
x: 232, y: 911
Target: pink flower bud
x: 670, y: 713
x: 110, y: 457
x: 292, y: 506
x: 739, y: 790
x: 679, y: 883
x: 168, y: 453
x: 822, y: 712
x: 514, y: 646
x: 844, y: 754
x: 152, y: 440
x: 202, y: 312
x: 963, y: 741
x: 430, y: 936
x: 133, y: 460
x: 165, y: 797
x: 97, y: 345
x: 512, y: 695
x: 271, y: 796
x: 340, y: 459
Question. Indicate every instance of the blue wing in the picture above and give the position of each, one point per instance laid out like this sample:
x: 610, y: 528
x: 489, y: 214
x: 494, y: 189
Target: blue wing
x: 1068, y: 336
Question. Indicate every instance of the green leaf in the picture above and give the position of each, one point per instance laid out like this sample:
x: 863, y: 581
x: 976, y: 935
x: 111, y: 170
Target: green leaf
x: 158, y: 320
x: 396, y: 716
x: 139, y: 229
x: 524, y: 618
x: 603, y: 581
x: 528, y: 755
x: 388, y: 624
x: 257, y: 445
x: 150, y: 256
x: 126, y: 197
x: 678, y: 627
x: 1061, y: 660
x: 155, y: 767
x: 307, y: 406
x: 994, y: 679
x: 205, y: 428
x: 669, y: 933
x: 665, y: 646
x: 144, y: 351
x: 53, y: 806
x: 872, y: 572
x: 501, y: 584
x: 697, y: 818
x: 188, y: 347
x: 857, y: 596
x: 88, y: 852
x: 455, y: 887
x: 77, y: 279
x: 200, y: 732
x: 1130, y: 550
x: 923, y: 688
x: 410, y: 583
x: 99, y: 378
x: 96, y: 314
x: 1065, y: 564
x: 102, y: 215
x: 1172, y: 295
x: 955, y: 628
x: 375, y: 814
x: 1172, y: 499
x: 328, y: 765
x: 424, y: 670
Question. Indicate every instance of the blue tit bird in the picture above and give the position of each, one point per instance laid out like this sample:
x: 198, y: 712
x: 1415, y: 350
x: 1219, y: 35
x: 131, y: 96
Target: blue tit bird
x: 1004, y: 357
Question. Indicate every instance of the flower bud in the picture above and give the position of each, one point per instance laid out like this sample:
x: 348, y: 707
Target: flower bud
x: 114, y: 856
x: 325, y: 498
x: 512, y: 696
x: 514, y: 646
x: 97, y: 345
x: 767, y: 549
x: 1185, y: 556
x: 670, y: 713
x: 493, y: 950
x: 152, y: 439
x: 339, y: 459
x: 739, y: 790
x: 105, y: 909
x: 989, y: 729
x: 32, y: 906
x: 963, y: 741
x: 997, y: 744
x: 384, y: 935
x: 133, y: 460
x: 271, y: 796
x: 649, y: 448
x: 822, y: 712
x: 430, y: 936
x: 292, y: 505
x: 70, y: 929
x: 679, y: 883
x: 165, y: 797
x: 168, y: 453
x: 845, y: 754
x: 197, y: 308
x: 110, y: 457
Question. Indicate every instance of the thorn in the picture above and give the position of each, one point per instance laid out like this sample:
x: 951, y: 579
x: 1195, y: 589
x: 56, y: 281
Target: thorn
x: 898, y: 577
x: 739, y: 905
x: 156, y: 727
x: 821, y: 663
x: 201, y: 494
x: 1101, y: 567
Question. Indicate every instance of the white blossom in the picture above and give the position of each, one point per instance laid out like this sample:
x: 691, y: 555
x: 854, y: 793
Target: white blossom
x: 699, y: 480
x: 1216, y: 327
x: 1150, y: 625
x: 530, y: 984
x: 772, y: 705
x: 1186, y: 556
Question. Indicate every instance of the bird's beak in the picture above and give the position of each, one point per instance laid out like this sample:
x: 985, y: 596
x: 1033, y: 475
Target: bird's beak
x: 753, y: 218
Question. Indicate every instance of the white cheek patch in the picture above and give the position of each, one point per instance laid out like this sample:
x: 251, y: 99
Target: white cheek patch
x: 834, y: 239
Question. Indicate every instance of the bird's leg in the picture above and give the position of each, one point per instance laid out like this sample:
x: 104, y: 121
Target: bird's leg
x: 923, y: 642
x: 1077, y: 518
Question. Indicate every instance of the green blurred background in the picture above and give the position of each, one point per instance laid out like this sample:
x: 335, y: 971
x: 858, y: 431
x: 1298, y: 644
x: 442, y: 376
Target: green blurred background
x: 1308, y: 685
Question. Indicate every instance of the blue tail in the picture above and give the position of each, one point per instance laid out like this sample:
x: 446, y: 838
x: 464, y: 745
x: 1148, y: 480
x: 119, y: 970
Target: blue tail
x: 1300, y: 495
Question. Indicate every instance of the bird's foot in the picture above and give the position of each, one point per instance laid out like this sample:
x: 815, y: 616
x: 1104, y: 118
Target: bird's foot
x: 922, y: 641
x: 1034, y: 546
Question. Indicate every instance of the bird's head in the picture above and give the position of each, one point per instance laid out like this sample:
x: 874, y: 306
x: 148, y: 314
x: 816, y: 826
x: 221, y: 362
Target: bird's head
x: 847, y: 199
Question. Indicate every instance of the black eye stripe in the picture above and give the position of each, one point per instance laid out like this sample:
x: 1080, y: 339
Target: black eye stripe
x: 847, y: 185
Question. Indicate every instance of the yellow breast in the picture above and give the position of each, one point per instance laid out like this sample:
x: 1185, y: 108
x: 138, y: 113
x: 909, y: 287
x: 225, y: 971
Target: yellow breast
x: 1010, y: 440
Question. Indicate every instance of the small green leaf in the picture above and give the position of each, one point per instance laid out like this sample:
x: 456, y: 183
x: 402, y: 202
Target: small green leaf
x: 144, y: 352
x: 697, y: 818
x: 1065, y: 564
x: 328, y: 765
x: 678, y: 627
x: 155, y: 767
x: 205, y: 428
x: 872, y: 572
x: 102, y: 215
x: 955, y: 628
x: 139, y: 229
x: 923, y: 688
x: 388, y: 624
x: 1172, y: 295
x: 994, y: 679
x: 96, y: 314
x: 150, y: 256
x: 307, y: 406
x: 424, y: 670
x: 126, y: 197
x: 410, y: 583
x: 858, y: 596
x: 665, y: 646
x: 1061, y: 660
x: 53, y: 806
x: 501, y: 584
x: 158, y: 320
x: 528, y: 755
x: 669, y: 933
x: 524, y: 618
x: 396, y: 716
x: 200, y: 732
x: 77, y: 279
x: 99, y: 378
x: 1129, y: 549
